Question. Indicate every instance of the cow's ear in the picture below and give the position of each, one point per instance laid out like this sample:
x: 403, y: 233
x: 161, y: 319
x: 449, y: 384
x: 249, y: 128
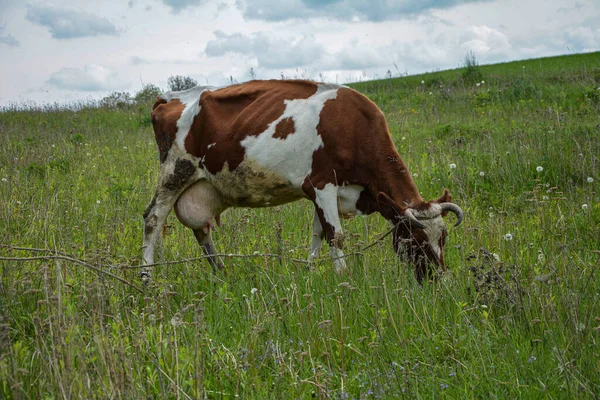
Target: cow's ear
x: 388, y: 208
x: 445, y: 198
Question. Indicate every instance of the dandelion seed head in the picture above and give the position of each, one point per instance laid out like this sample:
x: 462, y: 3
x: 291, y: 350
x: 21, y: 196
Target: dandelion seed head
x: 422, y: 82
x: 97, y: 201
x: 482, y: 174
x: 590, y: 179
x: 4, y: 180
x: 584, y: 207
x: 508, y: 237
x: 539, y: 168
x: 253, y: 290
x: 452, y: 166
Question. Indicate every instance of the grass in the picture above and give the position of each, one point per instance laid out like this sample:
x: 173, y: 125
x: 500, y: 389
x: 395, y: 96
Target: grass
x: 515, y: 318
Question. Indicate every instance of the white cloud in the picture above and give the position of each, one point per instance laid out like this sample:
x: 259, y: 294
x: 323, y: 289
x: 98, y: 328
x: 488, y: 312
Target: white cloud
x: 92, y: 77
x: 178, y: 5
x: 64, y: 23
x: 8, y: 39
x: 345, y: 10
x: 266, y: 49
x: 485, y: 41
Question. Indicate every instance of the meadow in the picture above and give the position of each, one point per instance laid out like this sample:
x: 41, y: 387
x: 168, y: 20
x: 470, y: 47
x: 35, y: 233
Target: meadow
x: 516, y: 315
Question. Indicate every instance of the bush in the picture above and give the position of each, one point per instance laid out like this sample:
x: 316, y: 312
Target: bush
x: 148, y: 94
x: 178, y: 82
x: 472, y: 72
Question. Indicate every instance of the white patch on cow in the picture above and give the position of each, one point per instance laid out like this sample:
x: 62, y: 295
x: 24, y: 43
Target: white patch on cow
x: 347, y: 199
x: 434, y: 226
x: 191, y: 99
x: 291, y: 157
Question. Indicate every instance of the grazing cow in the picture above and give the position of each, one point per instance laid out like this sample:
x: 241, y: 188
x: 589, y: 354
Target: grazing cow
x: 266, y: 143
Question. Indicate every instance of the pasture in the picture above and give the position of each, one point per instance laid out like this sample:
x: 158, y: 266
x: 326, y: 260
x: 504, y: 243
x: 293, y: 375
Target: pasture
x: 517, y: 314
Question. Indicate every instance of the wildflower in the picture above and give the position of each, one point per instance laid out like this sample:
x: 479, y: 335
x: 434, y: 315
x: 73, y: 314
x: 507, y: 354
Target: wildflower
x: 422, y: 82
x: 478, y: 84
x: 484, y: 306
x: 403, y: 137
x: 496, y: 256
x: 444, y: 385
x: 532, y: 359
x: 483, y: 82
x: 253, y: 290
x: 4, y: 180
x: 416, y: 175
x: 97, y: 201
x: 124, y: 147
x: 53, y: 146
x: 539, y: 168
x: 452, y: 166
x: 430, y: 92
x: 544, y: 197
x: 482, y: 174
x: 590, y: 179
x: 508, y: 237
x: 584, y: 207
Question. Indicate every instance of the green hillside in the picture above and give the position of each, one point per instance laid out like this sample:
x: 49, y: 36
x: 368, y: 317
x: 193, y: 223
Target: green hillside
x: 517, y: 314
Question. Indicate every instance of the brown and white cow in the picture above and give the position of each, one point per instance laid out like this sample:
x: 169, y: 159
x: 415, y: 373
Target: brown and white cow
x: 266, y: 143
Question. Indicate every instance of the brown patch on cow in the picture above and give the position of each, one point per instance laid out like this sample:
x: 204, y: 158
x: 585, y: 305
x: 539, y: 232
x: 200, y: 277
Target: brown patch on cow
x: 229, y: 115
x: 164, y: 121
x: 284, y: 128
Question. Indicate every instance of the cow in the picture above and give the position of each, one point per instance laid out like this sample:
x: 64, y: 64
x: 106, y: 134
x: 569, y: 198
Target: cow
x: 267, y: 143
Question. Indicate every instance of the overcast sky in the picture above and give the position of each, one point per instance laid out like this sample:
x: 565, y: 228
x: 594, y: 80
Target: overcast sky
x: 67, y: 50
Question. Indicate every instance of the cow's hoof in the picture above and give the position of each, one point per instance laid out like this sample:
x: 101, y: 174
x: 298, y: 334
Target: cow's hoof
x: 145, y: 277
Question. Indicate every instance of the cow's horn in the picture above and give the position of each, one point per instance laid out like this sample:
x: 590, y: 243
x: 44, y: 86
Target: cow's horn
x: 455, y: 209
x: 412, y: 220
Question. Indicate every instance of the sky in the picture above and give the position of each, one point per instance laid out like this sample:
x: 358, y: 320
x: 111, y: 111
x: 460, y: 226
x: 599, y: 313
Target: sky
x: 66, y: 51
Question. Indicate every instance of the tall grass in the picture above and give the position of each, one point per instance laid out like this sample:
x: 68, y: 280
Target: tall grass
x: 517, y: 314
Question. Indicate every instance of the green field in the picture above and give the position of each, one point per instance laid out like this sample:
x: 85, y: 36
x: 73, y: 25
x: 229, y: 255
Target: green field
x: 517, y: 315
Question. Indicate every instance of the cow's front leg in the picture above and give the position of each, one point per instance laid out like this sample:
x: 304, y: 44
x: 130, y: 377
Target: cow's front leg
x: 326, y: 208
x: 175, y: 177
x: 317, y: 237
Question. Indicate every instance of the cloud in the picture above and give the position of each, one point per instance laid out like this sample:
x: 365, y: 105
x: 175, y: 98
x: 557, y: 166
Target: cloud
x: 345, y: 10
x: 92, y: 77
x: 582, y: 38
x: 485, y: 41
x: 9, y: 39
x: 66, y: 23
x: 269, y: 51
x: 178, y: 5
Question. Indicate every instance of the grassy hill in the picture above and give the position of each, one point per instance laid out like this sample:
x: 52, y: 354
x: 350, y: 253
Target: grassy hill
x: 516, y: 315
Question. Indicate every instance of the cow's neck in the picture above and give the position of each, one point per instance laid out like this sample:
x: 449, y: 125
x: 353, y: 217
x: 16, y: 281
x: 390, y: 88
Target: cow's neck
x: 399, y: 184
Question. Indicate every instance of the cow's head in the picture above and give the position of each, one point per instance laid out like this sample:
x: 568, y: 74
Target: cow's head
x: 420, y: 233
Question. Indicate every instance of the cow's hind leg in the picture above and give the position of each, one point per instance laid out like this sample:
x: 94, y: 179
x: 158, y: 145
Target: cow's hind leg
x: 175, y: 177
x: 326, y: 208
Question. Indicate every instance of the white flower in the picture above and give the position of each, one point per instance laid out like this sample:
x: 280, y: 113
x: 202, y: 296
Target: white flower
x: 590, y: 179
x: 53, y: 146
x: 18, y: 202
x: 403, y: 137
x: 452, y: 166
x: 539, y: 168
x: 430, y: 92
x: 478, y: 84
x: 584, y: 206
x: 483, y: 306
x: 422, y: 82
x: 97, y: 201
x: 124, y: 147
x: 483, y: 82
x: 544, y: 197
x: 4, y: 180
x: 482, y: 174
x: 88, y: 154
x: 415, y: 175
x: 253, y: 290
x: 496, y: 256
x: 508, y: 237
